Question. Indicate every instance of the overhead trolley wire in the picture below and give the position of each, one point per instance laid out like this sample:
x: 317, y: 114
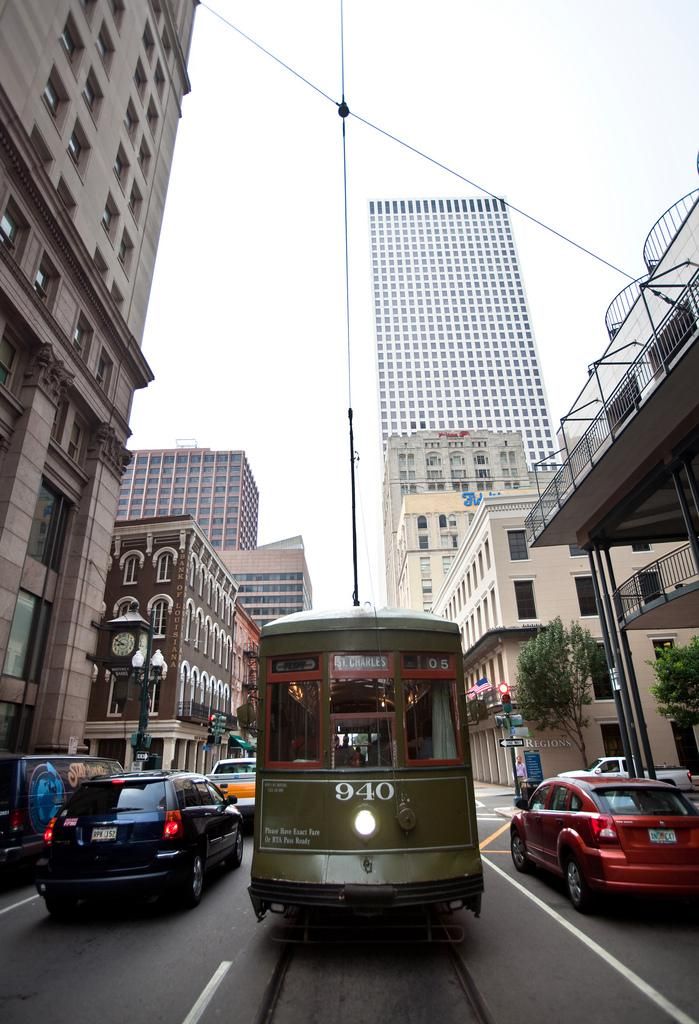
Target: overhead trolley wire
x: 414, y: 149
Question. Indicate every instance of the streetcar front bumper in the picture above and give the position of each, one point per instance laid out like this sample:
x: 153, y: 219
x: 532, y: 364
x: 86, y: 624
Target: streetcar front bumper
x: 280, y: 896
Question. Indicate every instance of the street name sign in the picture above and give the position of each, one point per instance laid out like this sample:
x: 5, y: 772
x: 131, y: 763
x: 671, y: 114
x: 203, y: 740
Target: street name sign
x: 514, y: 741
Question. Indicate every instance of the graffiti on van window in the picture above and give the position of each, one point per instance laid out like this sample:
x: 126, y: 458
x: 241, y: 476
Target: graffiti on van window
x: 46, y: 794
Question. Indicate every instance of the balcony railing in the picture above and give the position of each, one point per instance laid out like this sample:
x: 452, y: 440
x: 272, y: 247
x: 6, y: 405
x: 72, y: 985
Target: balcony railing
x: 629, y: 391
x: 657, y: 580
x: 199, y: 713
x: 664, y: 230
x: 621, y: 306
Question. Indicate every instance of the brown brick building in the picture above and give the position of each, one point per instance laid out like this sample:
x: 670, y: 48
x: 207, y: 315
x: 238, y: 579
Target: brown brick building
x: 188, y: 596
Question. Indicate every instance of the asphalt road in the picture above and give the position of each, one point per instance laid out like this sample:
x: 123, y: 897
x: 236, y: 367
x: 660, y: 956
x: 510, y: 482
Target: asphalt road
x: 530, y: 954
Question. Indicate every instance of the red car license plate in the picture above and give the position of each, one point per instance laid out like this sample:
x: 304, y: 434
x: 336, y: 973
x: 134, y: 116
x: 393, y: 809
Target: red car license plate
x: 662, y: 835
x: 103, y: 834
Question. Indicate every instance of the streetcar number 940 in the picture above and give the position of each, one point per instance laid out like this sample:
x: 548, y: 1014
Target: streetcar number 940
x: 368, y: 791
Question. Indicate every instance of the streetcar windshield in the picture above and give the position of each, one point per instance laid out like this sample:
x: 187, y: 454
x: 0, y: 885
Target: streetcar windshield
x: 362, y: 717
x: 294, y: 721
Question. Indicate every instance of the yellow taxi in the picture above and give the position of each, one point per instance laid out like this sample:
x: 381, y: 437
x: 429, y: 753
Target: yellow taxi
x: 235, y: 776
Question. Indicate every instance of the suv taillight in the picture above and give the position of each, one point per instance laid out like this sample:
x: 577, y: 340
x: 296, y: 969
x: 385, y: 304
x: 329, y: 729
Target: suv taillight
x: 48, y: 832
x: 603, y: 829
x: 16, y: 819
x: 173, y: 827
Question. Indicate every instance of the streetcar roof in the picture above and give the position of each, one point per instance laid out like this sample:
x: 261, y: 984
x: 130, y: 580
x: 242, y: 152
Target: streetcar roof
x: 358, y: 618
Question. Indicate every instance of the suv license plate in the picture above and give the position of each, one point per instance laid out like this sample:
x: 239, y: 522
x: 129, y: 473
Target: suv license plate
x: 103, y: 834
x: 662, y: 835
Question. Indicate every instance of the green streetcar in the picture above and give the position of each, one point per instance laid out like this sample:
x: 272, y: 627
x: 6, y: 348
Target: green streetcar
x: 364, y: 783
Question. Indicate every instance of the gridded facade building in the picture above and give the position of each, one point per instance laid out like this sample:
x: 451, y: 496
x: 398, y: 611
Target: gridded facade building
x: 455, y: 346
x: 216, y: 488
x: 273, y: 579
x: 90, y: 100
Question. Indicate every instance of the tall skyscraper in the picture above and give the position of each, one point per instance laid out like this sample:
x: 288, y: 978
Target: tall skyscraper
x: 90, y: 101
x: 217, y: 488
x: 454, y: 342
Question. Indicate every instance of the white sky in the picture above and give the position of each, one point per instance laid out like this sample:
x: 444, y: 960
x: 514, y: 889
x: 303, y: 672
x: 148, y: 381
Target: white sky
x: 584, y: 113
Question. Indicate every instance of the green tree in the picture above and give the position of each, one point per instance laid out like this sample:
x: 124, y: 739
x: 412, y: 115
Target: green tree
x: 555, y: 671
x: 677, y: 687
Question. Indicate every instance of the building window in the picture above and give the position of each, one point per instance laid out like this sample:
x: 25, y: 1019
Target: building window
x: 524, y: 596
x: 517, y: 540
x: 27, y: 637
x: 586, y: 595
x: 144, y: 157
x: 76, y: 442
x: 71, y: 43
x: 81, y: 336
x: 575, y: 551
x: 9, y: 229
x: 54, y: 96
x: 640, y: 546
x: 110, y: 216
x: 158, y: 617
x: 78, y: 146
x: 104, y: 371
x: 121, y: 166
x: 45, y: 279
x: 159, y: 79
x: 148, y: 41
x: 105, y: 47
x: 164, y: 570
x: 130, y: 570
x: 139, y: 77
x: 92, y: 94
x: 48, y: 526
x: 7, y: 358
x: 152, y: 117
x: 135, y: 200
x: 125, y: 251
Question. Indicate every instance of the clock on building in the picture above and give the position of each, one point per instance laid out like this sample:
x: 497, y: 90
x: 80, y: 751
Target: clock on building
x: 123, y: 644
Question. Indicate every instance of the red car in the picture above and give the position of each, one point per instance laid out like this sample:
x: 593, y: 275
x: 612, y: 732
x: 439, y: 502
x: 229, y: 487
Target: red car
x: 609, y: 835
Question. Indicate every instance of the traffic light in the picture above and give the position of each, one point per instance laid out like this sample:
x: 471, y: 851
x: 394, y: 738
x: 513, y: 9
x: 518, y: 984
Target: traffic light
x: 211, y: 737
x: 505, y: 698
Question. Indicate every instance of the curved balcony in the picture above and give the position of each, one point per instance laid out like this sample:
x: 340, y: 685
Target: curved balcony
x: 663, y: 232
x: 620, y: 307
x: 649, y: 590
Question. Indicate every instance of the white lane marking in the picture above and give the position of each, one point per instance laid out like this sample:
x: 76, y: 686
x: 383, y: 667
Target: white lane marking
x: 205, y: 998
x: 21, y: 903
x: 488, y: 817
x: 669, y: 1008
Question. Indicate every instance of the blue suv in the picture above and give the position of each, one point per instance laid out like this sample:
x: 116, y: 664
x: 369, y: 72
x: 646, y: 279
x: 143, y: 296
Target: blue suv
x: 138, y: 834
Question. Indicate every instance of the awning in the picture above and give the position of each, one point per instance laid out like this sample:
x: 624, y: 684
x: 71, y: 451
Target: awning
x: 238, y: 741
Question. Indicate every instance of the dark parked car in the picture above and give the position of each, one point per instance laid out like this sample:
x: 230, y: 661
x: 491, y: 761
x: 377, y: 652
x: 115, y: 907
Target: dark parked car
x: 138, y: 834
x: 609, y: 835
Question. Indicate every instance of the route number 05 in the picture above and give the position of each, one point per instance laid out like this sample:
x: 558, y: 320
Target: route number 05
x: 369, y: 791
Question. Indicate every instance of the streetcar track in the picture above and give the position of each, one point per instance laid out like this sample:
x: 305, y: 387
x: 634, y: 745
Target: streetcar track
x: 273, y: 995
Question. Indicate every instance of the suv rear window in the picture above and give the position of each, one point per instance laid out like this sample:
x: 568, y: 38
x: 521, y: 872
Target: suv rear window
x: 5, y: 784
x: 103, y: 797
x: 234, y: 768
x: 628, y: 800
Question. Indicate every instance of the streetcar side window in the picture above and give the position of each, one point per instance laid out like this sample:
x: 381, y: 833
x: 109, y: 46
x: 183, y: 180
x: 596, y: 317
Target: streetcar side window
x: 294, y: 722
x: 430, y: 720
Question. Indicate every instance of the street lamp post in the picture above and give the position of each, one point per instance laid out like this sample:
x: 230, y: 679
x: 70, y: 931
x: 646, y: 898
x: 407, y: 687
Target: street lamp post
x: 148, y: 674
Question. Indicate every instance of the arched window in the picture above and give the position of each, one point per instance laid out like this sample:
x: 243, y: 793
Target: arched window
x: 220, y: 648
x: 422, y: 522
x: 228, y: 652
x: 188, y: 617
x: 130, y: 569
x: 202, y: 577
x: 452, y: 522
x: 205, y: 639
x: 164, y: 568
x: 442, y: 522
x: 208, y: 590
x: 158, y: 617
x: 192, y: 571
x: 198, y: 626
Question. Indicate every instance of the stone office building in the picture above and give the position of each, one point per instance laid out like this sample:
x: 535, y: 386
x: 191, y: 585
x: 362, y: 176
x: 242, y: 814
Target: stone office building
x: 185, y: 592
x: 90, y: 100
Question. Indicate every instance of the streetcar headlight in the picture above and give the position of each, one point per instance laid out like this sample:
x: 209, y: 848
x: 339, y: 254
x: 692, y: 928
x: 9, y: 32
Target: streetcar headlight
x: 365, y: 822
